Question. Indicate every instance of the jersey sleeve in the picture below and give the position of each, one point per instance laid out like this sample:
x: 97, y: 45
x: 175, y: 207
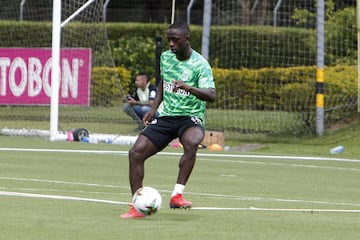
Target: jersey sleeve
x: 206, y: 79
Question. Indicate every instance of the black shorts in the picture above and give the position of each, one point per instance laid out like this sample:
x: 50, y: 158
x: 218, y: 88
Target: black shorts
x: 161, y: 131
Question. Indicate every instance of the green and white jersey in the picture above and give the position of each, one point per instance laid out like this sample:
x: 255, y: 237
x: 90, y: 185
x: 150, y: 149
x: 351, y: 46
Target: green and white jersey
x: 196, y: 72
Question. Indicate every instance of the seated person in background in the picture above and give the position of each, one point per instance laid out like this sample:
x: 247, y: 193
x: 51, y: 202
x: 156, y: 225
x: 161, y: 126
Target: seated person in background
x: 140, y: 102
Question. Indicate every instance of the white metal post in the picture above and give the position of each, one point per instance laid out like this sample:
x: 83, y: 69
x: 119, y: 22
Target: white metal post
x: 104, y: 10
x: 173, y: 11
x: 22, y: 3
x: 188, y: 11
x: 55, y: 72
x: 277, y: 6
x: 77, y: 12
x: 205, y: 42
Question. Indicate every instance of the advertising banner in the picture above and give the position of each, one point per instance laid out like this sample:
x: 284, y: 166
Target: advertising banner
x: 25, y: 76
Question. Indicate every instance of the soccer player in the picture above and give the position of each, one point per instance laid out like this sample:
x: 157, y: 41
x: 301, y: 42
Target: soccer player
x: 185, y: 87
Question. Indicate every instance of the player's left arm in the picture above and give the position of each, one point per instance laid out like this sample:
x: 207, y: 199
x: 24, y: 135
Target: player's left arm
x: 205, y: 94
x: 206, y: 88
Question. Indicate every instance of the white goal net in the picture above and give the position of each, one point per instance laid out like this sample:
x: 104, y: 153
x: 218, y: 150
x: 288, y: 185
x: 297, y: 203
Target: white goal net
x: 90, y: 93
x: 263, y: 55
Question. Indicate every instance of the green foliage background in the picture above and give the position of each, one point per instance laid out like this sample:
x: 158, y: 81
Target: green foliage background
x: 277, y: 75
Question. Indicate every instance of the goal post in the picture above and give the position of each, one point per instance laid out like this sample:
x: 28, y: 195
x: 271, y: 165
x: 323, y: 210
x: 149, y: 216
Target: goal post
x: 56, y: 38
x: 58, y: 73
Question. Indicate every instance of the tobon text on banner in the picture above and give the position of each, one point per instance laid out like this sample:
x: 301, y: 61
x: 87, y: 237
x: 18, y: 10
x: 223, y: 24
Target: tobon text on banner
x: 25, y: 76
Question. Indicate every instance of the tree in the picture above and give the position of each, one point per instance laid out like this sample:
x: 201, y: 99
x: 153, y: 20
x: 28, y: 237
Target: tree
x: 245, y: 12
x: 253, y: 9
x: 261, y: 16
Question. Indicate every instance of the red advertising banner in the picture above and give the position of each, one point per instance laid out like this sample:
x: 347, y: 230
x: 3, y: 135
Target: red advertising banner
x: 25, y: 76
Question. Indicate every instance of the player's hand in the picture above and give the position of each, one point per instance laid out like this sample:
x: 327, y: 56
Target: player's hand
x: 180, y: 84
x: 147, y: 118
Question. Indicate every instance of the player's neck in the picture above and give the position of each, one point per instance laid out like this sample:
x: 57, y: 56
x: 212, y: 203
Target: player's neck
x: 185, y: 56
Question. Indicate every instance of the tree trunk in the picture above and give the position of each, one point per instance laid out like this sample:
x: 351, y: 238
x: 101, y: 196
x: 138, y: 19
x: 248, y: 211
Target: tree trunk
x: 261, y: 12
x: 245, y: 12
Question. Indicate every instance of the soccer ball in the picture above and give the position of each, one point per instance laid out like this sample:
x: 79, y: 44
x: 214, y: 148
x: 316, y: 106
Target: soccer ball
x: 147, y: 200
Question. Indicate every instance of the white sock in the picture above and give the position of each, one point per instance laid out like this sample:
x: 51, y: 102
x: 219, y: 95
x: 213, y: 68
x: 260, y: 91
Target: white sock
x: 179, y: 188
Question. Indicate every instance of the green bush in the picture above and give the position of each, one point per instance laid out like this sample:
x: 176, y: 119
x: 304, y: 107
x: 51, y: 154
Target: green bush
x: 108, y: 85
x: 238, y: 47
x: 287, y: 89
x: 271, y: 87
x: 341, y: 37
x: 138, y: 55
x: 133, y: 44
x: 340, y: 29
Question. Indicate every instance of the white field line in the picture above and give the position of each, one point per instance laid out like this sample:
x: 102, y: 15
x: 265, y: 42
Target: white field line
x: 62, y: 191
x: 62, y: 182
x: 278, y: 164
x: 245, y: 198
x: 63, y: 151
x: 57, y: 197
x: 215, y: 155
x: 280, y: 209
x: 69, y: 198
x: 179, y: 154
x: 196, y: 194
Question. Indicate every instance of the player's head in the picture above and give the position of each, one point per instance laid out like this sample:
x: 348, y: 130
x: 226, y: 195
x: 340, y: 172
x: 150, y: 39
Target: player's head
x: 178, y: 35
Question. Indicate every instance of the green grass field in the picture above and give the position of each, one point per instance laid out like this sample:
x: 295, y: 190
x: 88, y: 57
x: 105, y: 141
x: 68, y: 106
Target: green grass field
x: 63, y: 190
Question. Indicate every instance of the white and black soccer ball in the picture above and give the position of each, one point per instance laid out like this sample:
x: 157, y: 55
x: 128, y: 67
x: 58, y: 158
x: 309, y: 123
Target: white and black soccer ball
x: 147, y: 200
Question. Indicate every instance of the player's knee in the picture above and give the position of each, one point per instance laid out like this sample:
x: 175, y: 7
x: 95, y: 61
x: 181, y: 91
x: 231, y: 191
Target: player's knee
x: 135, y: 155
x: 190, y: 146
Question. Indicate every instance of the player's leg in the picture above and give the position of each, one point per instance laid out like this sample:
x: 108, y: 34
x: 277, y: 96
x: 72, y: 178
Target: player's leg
x: 190, y: 140
x: 140, y: 151
x: 151, y: 140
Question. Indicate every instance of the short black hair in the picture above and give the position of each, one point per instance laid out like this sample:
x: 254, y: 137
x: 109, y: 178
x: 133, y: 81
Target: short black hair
x: 183, y: 26
x: 144, y: 74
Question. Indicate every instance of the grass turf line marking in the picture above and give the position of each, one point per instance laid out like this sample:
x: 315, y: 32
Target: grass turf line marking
x: 64, y: 151
x: 197, y: 194
x: 279, y: 164
x: 199, y: 154
x: 179, y: 154
x: 63, y: 191
x: 56, y: 197
x: 281, y: 210
x: 62, y: 182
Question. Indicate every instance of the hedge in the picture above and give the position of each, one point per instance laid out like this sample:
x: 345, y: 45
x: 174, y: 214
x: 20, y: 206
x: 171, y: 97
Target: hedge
x: 277, y: 47
x: 273, y: 89
x: 288, y: 89
x: 109, y: 85
x: 275, y: 86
